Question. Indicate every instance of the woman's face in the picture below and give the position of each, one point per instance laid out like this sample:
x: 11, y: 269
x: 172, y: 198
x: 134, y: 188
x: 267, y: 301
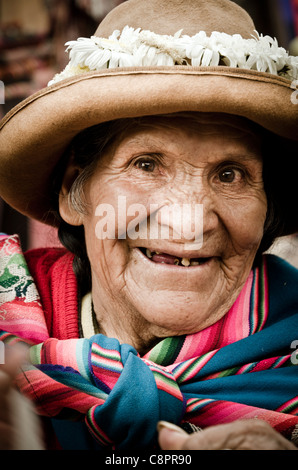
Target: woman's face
x: 211, y: 169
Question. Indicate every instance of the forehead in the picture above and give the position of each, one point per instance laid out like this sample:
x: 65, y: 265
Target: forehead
x: 205, y: 128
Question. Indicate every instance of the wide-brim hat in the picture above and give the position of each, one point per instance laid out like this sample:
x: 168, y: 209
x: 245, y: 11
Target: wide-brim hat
x: 148, y: 57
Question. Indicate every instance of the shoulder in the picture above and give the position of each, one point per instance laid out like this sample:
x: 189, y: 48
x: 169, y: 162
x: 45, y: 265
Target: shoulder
x: 282, y: 285
x: 281, y: 271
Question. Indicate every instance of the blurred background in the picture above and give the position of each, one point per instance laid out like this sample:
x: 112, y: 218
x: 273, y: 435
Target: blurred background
x: 32, y: 38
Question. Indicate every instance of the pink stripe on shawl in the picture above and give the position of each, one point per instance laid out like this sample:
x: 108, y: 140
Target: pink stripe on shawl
x: 21, y: 315
x: 66, y: 353
x: 293, y: 403
x: 24, y: 320
x: 221, y: 412
x: 269, y: 363
x: 40, y: 388
x: 108, y: 377
x: 236, y: 327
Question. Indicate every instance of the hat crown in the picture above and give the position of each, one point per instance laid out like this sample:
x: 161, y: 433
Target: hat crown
x: 170, y: 16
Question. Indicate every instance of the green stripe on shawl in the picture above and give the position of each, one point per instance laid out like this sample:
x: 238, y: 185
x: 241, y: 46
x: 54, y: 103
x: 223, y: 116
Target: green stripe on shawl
x: 165, y: 352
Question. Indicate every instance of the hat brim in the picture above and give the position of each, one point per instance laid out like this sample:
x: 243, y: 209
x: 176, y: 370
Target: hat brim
x: 35, y: 134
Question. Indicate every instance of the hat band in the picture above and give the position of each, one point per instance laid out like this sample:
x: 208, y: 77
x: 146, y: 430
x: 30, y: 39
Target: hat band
x: 137, y: 48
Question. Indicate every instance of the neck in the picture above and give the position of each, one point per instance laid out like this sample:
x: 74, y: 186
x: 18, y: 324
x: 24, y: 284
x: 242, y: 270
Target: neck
x: 125, y: 327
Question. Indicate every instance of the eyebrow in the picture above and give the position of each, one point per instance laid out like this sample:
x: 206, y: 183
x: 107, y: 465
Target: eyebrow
x: 152, y: 146
x: 247, y: 156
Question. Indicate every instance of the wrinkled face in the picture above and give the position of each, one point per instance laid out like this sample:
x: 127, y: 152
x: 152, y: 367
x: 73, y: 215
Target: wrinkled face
x: 186, y: 276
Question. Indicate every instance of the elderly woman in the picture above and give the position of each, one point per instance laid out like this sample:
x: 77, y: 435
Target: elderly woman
x: 164, y: 154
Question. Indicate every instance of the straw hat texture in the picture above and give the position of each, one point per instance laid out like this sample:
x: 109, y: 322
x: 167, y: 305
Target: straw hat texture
x: 148, y: 57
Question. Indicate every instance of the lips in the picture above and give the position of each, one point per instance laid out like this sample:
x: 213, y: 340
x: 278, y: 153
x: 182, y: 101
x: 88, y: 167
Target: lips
x: 166, y: 258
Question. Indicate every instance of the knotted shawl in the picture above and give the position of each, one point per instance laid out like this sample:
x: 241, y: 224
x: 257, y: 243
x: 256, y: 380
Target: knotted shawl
x: 242, y: 367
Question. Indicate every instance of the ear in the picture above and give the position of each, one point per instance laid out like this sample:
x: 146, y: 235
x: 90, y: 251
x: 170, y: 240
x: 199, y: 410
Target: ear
x: 67, y: 212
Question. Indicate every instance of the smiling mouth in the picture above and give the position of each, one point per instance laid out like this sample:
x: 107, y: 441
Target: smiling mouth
x: 165, y: 258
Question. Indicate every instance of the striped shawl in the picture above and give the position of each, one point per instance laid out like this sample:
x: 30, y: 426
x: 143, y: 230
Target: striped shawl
x: 242, y: 367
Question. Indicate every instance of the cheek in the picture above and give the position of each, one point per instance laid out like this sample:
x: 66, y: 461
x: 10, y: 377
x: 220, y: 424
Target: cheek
x: 244, y: 219
x: 108, y: 198
x: 108, y: 259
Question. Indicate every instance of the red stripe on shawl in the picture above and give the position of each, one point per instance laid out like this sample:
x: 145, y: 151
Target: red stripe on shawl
x: 220, y: 412
x: 55, y: 280
x: 43, y: 389
x: 108, y: 377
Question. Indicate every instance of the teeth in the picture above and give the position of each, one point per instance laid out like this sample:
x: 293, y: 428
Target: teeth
x: 178, y: 261
x: 185, y: 262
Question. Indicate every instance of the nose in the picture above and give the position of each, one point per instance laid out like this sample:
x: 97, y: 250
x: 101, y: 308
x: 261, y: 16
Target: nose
x: 181, y: 221
x: 187, y: 220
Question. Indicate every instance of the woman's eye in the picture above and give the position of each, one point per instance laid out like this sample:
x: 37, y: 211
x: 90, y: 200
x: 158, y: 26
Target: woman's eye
x: 146, y: 165
x: 230, y: 175
x: 227, y: 176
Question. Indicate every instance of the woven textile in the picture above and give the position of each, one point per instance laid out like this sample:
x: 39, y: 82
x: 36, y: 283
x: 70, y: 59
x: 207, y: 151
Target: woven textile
x: 243, y: 366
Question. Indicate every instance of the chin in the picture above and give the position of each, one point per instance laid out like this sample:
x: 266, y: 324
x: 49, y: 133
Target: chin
x: 179, y: 313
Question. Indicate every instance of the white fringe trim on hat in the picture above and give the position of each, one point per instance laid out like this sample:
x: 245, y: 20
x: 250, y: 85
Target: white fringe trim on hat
x: 137, y: 48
